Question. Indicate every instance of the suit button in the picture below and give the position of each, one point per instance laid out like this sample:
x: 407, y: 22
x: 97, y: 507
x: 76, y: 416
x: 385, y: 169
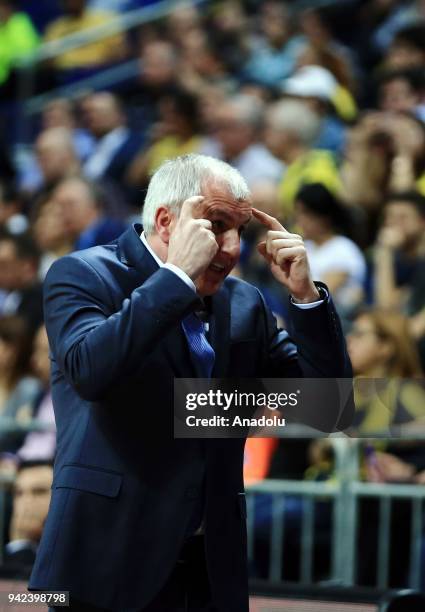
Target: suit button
x: 192, y: 493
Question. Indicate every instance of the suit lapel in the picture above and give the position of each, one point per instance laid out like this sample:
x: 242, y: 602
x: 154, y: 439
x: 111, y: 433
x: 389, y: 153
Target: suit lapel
x: 133, y: 253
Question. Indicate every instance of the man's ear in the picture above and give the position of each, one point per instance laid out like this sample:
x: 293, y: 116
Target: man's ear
x: 164, y: 222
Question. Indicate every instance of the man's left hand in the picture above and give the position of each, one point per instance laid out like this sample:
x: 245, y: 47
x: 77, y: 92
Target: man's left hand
x: 287, y: 256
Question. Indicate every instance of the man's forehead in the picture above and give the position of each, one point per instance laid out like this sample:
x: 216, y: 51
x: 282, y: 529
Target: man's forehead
x: 218, y: 197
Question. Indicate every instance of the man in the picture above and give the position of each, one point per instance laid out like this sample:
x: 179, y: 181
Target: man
x: 31, y: 496
x: 56, y: 158
x: 291, y: 130
x: 115, y: 146
x: 127, y: 498
x: 82, y: 206
x: 20, y: 290
x: 237, y: 128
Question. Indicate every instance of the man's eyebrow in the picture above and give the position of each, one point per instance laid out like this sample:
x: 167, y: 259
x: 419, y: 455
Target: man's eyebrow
x: 229, y: 218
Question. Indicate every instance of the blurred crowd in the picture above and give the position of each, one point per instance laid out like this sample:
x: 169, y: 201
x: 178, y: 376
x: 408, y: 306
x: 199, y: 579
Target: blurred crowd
x: 320, y: 106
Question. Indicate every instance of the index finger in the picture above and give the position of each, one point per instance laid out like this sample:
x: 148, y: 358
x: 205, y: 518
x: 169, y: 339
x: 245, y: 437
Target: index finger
x: 191, y: 206
x: 267, y: 220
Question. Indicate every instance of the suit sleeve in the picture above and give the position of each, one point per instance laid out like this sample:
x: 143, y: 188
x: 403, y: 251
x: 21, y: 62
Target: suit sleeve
x: 314, y: 348
x: 94, y: 348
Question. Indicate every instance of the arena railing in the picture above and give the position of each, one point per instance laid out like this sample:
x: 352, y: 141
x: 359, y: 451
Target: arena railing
x: 344, y: 494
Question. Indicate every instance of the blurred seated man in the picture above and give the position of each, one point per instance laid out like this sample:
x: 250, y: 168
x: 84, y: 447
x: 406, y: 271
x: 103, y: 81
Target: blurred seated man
x: 31, y: 498
x: 237, y: 127
x: 292, y: 128
x: 56, y: 158
x: 82, y: 204
x: 115, y: 144
x: 76, y: 19
x: 20, y: 289
x: 51, y: 232
x: 61, y: 112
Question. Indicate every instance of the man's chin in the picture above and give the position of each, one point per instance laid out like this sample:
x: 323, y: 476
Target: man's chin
x: 209, y: 286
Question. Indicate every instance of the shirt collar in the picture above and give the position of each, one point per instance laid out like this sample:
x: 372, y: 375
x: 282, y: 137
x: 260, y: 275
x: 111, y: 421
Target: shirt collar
x: 151, y: 251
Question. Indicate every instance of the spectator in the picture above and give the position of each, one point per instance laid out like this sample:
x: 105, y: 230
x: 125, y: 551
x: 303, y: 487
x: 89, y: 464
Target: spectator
x: 320, y: 90
x: 18, y: 390
x: 204, y: 63
x: 115, y: 144
x: 178, y: 132
x: 237, y: 129
x: 384, y: 355
x: 51, y: 232
x: 407, y: 50
x: 76, y: 19
x: 158, y: 66
x: 291, y: 130
x: 82, y: 205
x: 274, y: 53
x: 41, y: 445
x: 60, y: 113
x: 323, y: 48
x: 385, y: 152
x: 56, y: 157
x: 399, y: 254
x: 12, y: 218
x: 20, y: 290
x: 335, y: 259
x: 18, y: 38
x: 403, y: 91
x: 31, y: 498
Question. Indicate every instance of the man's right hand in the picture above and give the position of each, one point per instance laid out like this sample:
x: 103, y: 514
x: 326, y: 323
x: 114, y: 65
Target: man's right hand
x: 192, y: 244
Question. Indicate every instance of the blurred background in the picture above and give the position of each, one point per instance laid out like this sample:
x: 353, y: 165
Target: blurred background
x: 321, y: 107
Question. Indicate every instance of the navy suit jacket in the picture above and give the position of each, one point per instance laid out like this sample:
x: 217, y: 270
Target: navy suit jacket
x: 124, y: 489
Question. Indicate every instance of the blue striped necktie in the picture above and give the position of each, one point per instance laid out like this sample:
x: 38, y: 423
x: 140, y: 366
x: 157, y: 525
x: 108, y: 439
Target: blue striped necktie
x: 199, y: 346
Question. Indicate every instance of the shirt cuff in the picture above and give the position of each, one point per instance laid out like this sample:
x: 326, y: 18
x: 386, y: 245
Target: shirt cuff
x: 311, y: 304
x: 182, y: 275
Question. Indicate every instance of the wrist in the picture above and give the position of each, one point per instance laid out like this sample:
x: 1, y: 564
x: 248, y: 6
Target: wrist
x: 312, y: 295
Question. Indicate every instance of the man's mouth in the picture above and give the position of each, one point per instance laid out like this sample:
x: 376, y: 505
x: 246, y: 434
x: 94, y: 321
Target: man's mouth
x: 216, y: 267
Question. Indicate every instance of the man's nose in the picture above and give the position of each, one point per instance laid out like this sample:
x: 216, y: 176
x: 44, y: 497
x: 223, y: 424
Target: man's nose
x: 230, y: 243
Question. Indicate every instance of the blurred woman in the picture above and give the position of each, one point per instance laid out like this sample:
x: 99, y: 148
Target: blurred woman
x: 334, y: 258
x: 385, y: 360
x: 18, y: 390
x: 177, y: 133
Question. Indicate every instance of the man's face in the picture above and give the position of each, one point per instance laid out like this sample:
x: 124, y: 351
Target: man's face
x: 404, y: 217
x: 276, y: 140
x: 398, y: 96
x: 233, y: 135
x: 228, y: 218
x: 9, y: 266
x: 31, y: 502
x: 53, y: 156
x: 101, y: 114
x: 73, y: 199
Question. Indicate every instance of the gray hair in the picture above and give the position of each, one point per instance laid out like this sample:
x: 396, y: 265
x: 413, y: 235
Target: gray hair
x: 178, y: 179
x: 296, y: 117
x: 248, y: 110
